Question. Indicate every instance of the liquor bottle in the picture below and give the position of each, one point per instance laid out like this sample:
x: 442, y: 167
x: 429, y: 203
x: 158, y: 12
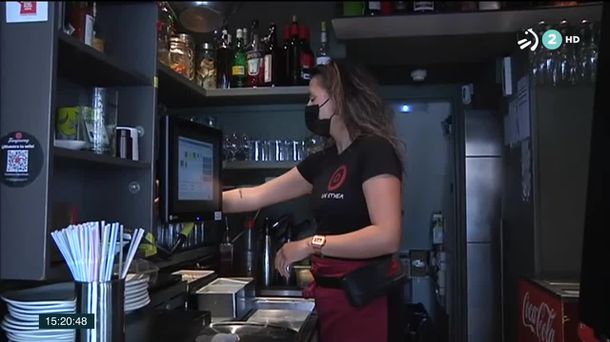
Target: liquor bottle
x: 306, y: 56
x: 373, y: 8
x: 353, y: 8
x: 246, y: 35
x: 285, y: 70
x: 294, y: 54
x: 323, y: 57
x: 489, y: 5
x: 387, y: 7
x: 224, y: 61
x: 254, y: 55
x: 250, y: 249
x: 238, y: 71
x: 423, y: 6
x: 271, y: 60
x: 226, y: 250
x: 469, y: 6
x: 401, y: 6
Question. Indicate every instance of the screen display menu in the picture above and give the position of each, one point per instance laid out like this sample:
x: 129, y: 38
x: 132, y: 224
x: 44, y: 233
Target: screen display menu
x: 195, y: 171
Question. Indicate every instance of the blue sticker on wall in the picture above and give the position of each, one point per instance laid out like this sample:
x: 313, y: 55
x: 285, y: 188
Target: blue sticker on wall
x: 20, y: 159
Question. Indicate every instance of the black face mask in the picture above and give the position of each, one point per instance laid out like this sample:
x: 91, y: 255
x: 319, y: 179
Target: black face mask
x: 318, y: 126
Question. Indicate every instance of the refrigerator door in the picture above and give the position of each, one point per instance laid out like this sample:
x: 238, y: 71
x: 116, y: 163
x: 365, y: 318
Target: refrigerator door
x: 483, y: 179
x: 483, y: 195
x: 483, y: 293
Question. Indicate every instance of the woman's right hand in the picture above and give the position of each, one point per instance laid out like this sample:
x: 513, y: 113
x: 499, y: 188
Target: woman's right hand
x: 290, y: 253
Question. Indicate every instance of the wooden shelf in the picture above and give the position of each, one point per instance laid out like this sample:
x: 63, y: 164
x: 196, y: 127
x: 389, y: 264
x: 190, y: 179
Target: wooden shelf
x: 85, y: 65
x: 458, y: 24
x: 174, y: 90
x: 258, y: 165
x: 87, y: 157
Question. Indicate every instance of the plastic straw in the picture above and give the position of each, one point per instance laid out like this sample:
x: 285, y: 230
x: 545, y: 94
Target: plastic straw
x: 106, y: 234
x: 89, y: 249
x: 121, y: 251
x: 110, y: 256
x: 133, y: 247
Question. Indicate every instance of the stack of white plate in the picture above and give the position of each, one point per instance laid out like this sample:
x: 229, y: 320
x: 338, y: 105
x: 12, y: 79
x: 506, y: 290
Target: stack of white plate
x: 24, y: 306
x: 136, y: 292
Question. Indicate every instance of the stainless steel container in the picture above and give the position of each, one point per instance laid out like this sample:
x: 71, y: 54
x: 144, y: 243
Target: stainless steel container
x: 227, y: 297
x: 106, y: 301
x: 266, y: 267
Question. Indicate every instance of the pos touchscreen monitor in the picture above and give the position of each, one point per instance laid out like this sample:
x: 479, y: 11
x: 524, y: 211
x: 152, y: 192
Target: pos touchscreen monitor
x: 190, y: 164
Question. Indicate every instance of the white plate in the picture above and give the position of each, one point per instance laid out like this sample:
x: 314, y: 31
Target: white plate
x: 129, y: 308
x: 17, y: 338
x: 24, y: 317
x: 70, y: 144
x: 59, y: 293
x: 69, y: 336
x: 135, y: 294
x: 136, y: 282
x: 43, y: 309
x: 139, y: 298
x: 38, y: 311
x: 136, y: 289
x: 135, y: 277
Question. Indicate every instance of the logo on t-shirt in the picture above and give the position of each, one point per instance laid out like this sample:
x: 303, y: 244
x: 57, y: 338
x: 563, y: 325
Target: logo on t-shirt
x: 338, y: 178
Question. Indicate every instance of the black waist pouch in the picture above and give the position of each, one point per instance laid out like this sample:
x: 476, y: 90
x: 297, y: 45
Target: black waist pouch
x: 371, y: 281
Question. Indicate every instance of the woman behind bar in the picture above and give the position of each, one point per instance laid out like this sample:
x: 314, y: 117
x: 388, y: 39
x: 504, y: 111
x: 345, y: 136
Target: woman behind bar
x: 356, y: 188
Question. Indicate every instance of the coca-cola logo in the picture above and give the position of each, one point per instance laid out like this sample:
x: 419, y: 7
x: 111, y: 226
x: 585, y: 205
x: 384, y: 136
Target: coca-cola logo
x: 539, y: 319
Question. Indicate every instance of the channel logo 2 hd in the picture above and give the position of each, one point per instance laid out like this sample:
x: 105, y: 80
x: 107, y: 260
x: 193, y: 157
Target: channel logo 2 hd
x: 551, y: 39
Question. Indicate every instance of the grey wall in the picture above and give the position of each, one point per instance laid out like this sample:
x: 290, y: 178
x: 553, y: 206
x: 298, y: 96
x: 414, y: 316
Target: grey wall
x: 427, y: 154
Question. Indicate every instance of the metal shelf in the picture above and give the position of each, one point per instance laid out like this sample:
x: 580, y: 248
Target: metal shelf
x: 422, y: 40
x: 88, y: 157
x: 175, y: 90
x: 86, y: 65
x: 258, y: 165
x: 458, y: 24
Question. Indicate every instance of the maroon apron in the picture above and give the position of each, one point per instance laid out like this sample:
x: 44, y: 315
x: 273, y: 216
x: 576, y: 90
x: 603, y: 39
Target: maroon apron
x: 339, y: 321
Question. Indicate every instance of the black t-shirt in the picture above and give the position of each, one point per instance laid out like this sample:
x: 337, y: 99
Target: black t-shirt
x: 337, y: 197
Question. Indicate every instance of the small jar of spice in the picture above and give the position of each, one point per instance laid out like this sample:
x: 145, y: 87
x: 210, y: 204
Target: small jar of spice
x: 182, y: 56
x: 206, y: 66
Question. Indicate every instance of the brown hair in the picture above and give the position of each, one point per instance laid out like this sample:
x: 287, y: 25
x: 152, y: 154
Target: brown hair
x: 358, y: 101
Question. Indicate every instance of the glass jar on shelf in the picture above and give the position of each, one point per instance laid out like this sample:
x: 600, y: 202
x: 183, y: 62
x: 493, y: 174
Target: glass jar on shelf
x: 206, y: 66
x: 165, y: 30
x: 182, y: 56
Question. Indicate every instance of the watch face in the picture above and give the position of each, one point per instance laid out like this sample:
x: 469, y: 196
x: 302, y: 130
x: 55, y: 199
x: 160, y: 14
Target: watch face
x: 318, y: 240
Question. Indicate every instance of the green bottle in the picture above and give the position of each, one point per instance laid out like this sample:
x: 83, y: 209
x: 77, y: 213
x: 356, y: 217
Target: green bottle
x: 240, y: 62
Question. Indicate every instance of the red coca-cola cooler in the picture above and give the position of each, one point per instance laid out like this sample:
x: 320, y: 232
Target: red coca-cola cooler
x: 548, y: 311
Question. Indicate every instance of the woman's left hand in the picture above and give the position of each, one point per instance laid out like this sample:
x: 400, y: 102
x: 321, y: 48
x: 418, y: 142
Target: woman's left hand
x: 290, y: 253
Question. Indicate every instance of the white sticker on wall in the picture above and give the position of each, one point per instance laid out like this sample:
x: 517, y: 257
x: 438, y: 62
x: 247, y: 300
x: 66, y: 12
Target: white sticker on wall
x: 27, y: 11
